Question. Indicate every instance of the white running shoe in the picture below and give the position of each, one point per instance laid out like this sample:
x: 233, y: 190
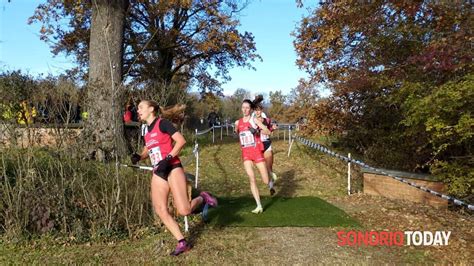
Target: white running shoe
x: 274, y: 177
x: 258, y: 210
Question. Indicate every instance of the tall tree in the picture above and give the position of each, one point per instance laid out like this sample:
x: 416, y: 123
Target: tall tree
x: 301, y: 99
x: 231, y: 105
x: 104, y: 95
x: 241, y: 94
x: 164, y: 40
x: 277, y: 105
x: 103, y: 53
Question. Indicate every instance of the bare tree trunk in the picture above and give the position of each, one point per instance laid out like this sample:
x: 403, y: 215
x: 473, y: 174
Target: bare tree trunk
x: 104, y: 127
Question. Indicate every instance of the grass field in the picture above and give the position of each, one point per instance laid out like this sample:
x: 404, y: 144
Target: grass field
x: 279, y: 212
x: 299, y: 224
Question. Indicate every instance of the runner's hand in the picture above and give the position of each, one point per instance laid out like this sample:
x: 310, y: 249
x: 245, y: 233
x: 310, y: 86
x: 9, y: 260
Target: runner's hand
x: 163, y: 164
x: 253, y: 130
x: 135, y: 158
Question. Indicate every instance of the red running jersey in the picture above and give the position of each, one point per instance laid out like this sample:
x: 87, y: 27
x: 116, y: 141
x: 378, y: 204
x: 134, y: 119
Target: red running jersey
x: 159, y: 145
x: 250, y: 144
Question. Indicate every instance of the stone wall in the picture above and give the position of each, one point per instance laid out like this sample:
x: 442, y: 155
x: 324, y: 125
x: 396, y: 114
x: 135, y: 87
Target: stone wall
x: 37, y: 136
x: 380, y: 185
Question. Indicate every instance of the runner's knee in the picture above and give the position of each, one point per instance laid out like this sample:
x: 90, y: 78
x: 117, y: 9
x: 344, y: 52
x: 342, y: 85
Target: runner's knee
x: 184, y: 211
x: 161, y: 210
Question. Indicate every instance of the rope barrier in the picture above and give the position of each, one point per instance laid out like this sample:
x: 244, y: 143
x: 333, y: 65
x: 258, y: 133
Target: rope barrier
x: 198, y: 133
x: 202, y: 132
x: 362, y: 164
x: 286, y: 125
x: 196, y: 146
x: 189, y: 158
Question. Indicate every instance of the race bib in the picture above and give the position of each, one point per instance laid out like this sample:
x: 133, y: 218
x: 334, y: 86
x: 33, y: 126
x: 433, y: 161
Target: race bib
x: 246, y: 139
x: 155, y: 155
x: 264, y: 137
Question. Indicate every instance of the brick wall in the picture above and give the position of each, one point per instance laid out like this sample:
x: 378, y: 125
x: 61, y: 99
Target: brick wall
x: 375, y: 184
x: 33, y: 136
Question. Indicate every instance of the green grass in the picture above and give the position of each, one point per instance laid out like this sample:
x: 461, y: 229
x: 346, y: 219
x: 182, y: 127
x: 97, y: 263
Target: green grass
x: 279, y: 212
x: 296, y: 216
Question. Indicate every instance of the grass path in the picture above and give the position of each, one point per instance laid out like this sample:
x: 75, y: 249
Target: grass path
x: 304, y: 174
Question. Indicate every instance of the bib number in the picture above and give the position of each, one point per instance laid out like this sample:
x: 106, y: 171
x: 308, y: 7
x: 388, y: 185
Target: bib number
x: 247, y: 139
x: 155, y: 155
x: 264, y: 137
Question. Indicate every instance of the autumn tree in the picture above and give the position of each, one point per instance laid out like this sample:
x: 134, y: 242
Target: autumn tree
x: 155, y: 42
x: 301, y: 99
x: 231, y: 105
x: 277, y: 104
x: 104, y: 93
x: 383, y: 61
x: 197, y: 41
x: 95, y: 35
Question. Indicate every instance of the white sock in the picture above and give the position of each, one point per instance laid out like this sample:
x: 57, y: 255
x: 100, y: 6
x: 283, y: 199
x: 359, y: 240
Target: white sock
x: 270, y: 184
x: 259, y: 204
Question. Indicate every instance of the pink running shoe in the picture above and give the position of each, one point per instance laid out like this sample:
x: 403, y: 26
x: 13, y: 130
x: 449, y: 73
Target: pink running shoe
x: 182, y: 247
x: 209, y: 199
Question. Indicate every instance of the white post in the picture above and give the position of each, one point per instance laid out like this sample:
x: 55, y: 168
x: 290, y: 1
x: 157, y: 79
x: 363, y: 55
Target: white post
x: 349, y: 176
x: 221, y: 132
x: 212, y: 133
x: 227, y: 127
x: 289, y: 134
x: 284, y: 135
x: 289, y: 149
x: 197, y: 170
x: 196, y: 135
x: 186, y: 225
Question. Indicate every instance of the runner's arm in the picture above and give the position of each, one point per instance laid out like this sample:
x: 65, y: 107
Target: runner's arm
x: 271, y: 126
x: 264, y: 129
x: 179, y: 143
x: 144, y: 153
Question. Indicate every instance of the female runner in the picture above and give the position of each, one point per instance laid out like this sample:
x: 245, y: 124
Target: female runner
x: 168, y: 173
x: 251, y: 151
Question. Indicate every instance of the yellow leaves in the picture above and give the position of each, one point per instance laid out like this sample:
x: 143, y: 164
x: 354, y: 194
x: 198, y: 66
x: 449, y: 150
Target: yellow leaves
x: 186, y: 4
x: 233, y: 37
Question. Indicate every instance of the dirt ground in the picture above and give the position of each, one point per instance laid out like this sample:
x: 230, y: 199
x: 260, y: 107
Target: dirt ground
x: 304, y: 173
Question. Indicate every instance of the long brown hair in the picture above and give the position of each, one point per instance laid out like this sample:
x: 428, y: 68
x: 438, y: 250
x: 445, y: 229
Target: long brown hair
x: 154, y: 104
x: 257, y: 102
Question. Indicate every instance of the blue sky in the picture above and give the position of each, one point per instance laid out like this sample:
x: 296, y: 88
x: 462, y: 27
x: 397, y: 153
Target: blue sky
x: 20, y: 46
x: 271, y: 22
